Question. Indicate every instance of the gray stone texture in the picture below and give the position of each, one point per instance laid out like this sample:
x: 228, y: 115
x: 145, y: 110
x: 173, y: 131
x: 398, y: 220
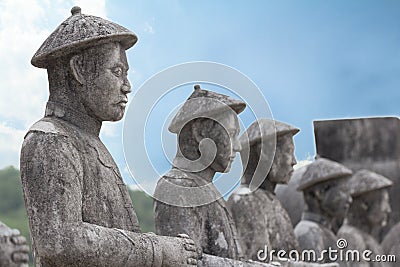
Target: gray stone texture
x: 367, y: 214
x: 78, y: 32
x: 211, y: 226
x: 327, y: 200
x: 213, y: 116
x: 259, y: 216
x: 361, y: 241
x: 391, y: 244
x: 78, y: 206
x: 292, y: 200
x: 322, y: 170
x: 365, y: 143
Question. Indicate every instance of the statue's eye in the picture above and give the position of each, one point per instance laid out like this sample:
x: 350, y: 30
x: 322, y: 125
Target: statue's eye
x: 117, y: 71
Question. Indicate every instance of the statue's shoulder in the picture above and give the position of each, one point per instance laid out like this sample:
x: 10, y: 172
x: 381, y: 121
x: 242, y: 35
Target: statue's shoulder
x: 392, y: 240
x: 242, y: 197
x: 242, y: 190
x: 181, y: 189
x: 178, y: 177
x: 50, y: 125
x: 308, y: 228
x: 348, y: 230
x: 48, y: 132
x: 310, y: 235
x: 353, y: 236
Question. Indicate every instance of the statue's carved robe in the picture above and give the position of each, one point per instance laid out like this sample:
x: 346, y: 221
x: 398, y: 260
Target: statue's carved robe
x: 79, y: 209
x: 261, y: 221
x: 313, y: 233
x: 210, y: 226
x: 361, y: 241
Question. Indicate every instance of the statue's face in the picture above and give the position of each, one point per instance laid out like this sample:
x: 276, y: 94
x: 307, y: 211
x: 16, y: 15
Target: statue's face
x: 378, y: 207
x: 105, y: 94
x: 227, y: 142
x: 336, y: 199
x: 284, y: 160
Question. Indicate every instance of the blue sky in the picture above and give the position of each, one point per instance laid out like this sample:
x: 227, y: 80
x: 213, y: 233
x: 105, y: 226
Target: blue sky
x: 311, y: 59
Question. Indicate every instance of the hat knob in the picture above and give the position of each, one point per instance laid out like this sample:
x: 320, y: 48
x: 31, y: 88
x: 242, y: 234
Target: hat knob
x: 75, y: 10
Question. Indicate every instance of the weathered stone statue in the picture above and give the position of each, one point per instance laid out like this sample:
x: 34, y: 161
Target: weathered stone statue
x: 187, y: 200
x: 365, y: 143
x: 259, y: 216
x: 327, y: 199
x: 79, y: 209
x: 13, y: 248
x: 291, y: 199
x: 368, y: 213
x: 391, y: 244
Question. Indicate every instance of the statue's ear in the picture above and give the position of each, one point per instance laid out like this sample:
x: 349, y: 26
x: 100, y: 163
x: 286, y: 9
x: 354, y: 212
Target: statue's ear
x: 319, y: 193
x: 196, y: 131
x: 76, y: 63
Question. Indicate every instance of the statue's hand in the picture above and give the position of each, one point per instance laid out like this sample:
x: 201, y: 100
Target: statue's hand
x: 13, y: 250
x: 179, y: 251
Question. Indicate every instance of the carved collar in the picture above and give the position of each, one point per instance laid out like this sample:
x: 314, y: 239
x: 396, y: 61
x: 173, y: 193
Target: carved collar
x: 79, y: 119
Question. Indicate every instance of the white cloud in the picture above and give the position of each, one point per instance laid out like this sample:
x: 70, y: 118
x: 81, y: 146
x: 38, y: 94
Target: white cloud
x: 109, y: 129
x: 11, y: 141
x: 24, y: 25
x: 302, y: 163
x: 148, y: 28
x: 23, y: 88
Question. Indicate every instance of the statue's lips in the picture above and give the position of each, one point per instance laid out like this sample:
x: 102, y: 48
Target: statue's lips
x: 123, y: 102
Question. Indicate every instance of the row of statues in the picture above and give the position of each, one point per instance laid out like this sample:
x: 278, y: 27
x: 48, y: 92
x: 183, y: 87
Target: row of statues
x: 78, y: 206
x: 335, y: 197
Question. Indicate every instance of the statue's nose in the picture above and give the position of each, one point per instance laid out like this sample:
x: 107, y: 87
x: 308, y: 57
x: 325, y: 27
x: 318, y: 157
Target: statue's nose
x: 237, y: 147
x: 126, y: 87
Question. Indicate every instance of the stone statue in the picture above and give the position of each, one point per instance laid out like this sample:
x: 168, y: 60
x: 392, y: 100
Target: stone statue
x: 259, y: 216
x: 186, y: 200
x: 324, y: 187
x: 79, y: 209
x: 365, y: 143
x: 368, y: 213
x: 291, y: 199
x: 13, y: 248
x: 391, y: 244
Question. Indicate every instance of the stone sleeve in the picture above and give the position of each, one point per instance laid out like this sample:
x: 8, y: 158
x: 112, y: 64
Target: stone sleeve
x: 52, y: 174
x: 355, y: 242
x: 171, y: 221
x: 310, y: 237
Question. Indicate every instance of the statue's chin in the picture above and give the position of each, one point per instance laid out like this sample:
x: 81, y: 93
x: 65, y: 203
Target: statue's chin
x: 116, y: 116
x: 227, y: 168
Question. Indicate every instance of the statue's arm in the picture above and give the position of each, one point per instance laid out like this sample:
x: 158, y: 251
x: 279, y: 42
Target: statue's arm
x: 173, y: 220
x: 52, y: 175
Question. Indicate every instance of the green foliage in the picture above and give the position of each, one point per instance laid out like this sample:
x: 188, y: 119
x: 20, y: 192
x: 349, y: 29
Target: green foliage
x: 10, y: 190
x: 144, y: 210
x: 12, y: 207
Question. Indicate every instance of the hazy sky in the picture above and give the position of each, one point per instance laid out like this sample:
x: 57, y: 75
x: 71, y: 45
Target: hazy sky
x: 311, y: 59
